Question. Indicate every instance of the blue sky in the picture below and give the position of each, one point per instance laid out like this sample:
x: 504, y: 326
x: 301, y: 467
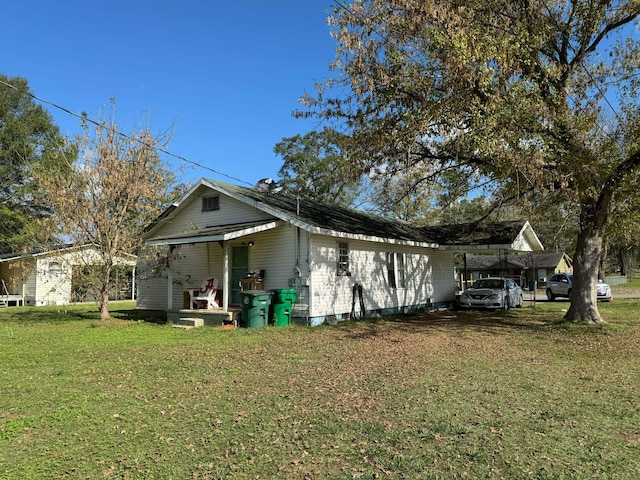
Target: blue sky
x: 225, y: 76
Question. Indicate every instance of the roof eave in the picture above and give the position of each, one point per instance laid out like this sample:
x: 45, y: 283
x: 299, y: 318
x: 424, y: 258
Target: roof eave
x: 478, y: 248
x: 62, y: 251
x: 213, y: 238
x: 369, y: 238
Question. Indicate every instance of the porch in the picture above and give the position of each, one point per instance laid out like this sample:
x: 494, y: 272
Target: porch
x: 8, y: 299
x: 227, y: 253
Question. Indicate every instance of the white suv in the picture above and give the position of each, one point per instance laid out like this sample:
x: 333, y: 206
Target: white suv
x: 560, y: 284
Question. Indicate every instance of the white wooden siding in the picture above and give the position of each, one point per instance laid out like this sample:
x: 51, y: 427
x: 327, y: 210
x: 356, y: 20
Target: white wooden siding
x: 30, y: 286
x: 274, y: 251
x: 151, y: 279
x: 53, y: 281
x: 190, y: 216
x: 428, y: 277
x: 190, y: 264
x: 428, y: 272
x: 30, y: 283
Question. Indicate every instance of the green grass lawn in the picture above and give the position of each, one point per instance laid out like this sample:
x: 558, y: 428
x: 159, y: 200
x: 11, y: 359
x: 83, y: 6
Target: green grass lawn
x: 443, y: 395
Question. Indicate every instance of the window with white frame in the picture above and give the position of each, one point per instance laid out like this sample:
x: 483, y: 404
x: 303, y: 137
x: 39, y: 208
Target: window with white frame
x: 343, y: 259
x: 395, y: 270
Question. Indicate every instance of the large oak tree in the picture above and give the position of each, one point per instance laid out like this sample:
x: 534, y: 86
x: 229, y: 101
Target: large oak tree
x: 536, y: 98
x: 314, y: 166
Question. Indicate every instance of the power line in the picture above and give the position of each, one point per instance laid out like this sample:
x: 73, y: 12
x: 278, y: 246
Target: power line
x: 85, y: 118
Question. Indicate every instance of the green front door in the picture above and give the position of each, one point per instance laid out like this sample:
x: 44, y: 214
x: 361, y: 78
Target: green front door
x: 239, y: 268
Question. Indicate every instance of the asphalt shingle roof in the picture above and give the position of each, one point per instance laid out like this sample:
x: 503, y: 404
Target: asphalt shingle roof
x: 351, y: 221
x: 527, y: 260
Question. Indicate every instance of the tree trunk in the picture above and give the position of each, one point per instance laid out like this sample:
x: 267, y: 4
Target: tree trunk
x: 104, y: 293
x: 622, y: 260
x: 104, y: 305
x: 603, y: 258
x: 584, y: 301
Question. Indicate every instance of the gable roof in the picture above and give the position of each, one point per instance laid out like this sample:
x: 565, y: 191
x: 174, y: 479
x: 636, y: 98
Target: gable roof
x: 507, y: 235
x: 528, y: 260
x: 319, y: 218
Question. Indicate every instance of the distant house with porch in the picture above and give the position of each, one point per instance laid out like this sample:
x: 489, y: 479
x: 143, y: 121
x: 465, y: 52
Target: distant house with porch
x: 268, y: 240
x: 42, y: 278
x: 523, y: 268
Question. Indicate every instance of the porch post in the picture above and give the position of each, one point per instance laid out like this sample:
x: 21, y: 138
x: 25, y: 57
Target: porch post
x: 170, y: 279
x: 225, y: 278
x: 464, y: 285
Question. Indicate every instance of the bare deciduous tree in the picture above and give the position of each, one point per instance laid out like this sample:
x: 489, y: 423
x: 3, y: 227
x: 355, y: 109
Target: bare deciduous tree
x: 117, y: 187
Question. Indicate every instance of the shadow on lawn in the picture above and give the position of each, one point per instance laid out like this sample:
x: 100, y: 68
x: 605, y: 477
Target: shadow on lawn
x: 480, y: 320
x: 135, y: 315
x: 451, y: 320
x: 83, y: 312
x: 52, y: 315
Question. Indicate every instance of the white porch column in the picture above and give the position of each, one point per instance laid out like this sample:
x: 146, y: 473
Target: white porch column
x: 170, y: 279
x: 225, y: 278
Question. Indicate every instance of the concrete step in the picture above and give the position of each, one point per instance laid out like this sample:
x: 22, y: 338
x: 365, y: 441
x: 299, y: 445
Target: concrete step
x: 186, y: 322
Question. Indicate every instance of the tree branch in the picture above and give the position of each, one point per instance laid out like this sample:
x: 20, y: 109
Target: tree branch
x: 609, y: 27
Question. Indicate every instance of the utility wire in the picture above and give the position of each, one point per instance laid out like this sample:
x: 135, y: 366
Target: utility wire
x: 85, y: 118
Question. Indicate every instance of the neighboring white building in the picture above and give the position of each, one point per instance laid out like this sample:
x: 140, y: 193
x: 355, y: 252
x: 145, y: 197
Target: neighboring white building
x: 322, y: 251
x: 45, y: 278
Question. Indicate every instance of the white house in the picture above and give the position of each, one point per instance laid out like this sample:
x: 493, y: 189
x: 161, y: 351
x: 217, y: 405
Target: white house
x: 45, y: 277
x: 225, y: 231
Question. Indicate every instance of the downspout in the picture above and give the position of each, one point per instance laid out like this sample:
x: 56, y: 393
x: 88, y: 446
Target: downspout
x: 464, y: 285
x: 297, y: 246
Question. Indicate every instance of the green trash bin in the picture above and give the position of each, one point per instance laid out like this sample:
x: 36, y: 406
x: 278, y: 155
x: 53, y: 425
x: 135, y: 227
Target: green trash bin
x: 281, y: 306
x: 255, y: 308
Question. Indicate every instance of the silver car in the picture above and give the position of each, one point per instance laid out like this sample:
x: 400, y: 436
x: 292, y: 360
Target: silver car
x: 492, y: 292
x: 560, y: 285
